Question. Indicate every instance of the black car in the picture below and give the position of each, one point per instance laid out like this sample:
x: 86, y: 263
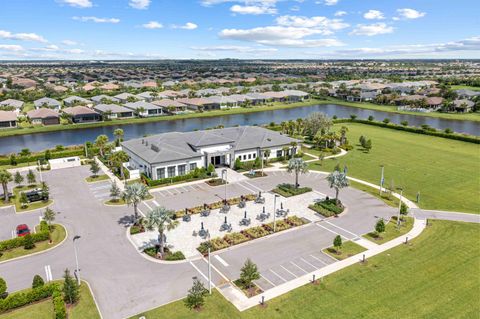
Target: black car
x: 36, y: 195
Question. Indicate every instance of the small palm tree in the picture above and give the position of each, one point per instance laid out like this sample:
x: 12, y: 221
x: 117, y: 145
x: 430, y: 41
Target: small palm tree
x: 101, y: 142
x: 298, y: 166
x: 337, y: 180
x: 133, y: 195
x: 160, y: 219
x: 49, y: 216
x: 5, y: 178
x: 117, y: 159
x: 118, y: 133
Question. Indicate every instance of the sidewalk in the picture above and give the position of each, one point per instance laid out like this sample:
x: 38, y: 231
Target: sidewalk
x: 242, y: 303
x: 110, y: 175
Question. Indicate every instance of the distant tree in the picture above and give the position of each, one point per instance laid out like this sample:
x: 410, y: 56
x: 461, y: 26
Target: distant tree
x: 23, y: 199
x: 371, y: 118
x: 386, y: 120
x: 266, y: 155
x: 18, y: 178
x: 48, y: 155
x: 317, y: 122
x: 343, y: 135
x: 448, y: 131
x: 353, y: 117
x: 237, y: 164
x: 403, y: 209
x: 25, y: 152
x: 70, y: 288
x: 31, y: 178
x: 196, y: 295
x: 49, y: 216
x: 160, y: 219
x: 5, y: 178
x: 404, y: 123
x: 45, y: 190
x: 115, y: 191
x: 337, y: 242
x: 118, y: 133
x: 337, y: 180
x: 368, y: 145
x: 13, y: 159
x: 133, y: 195
x: 101, y: 141
x: 249, y: 273
x: 210, y: 169
x: 297, y: 166
x: 94, y: 168
x: 380, y: 226
x: 37, y: 282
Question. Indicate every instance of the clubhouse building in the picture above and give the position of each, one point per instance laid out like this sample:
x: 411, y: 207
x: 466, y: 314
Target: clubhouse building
x: 177, y: 153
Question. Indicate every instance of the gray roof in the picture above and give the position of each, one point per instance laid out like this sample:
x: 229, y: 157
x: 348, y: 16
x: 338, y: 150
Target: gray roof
x: 98, y: 98
x: 469, y: 93
x: 174, y: 146
x: 11, y: 102
x: 147, y: 106
x: 114, y: 108
x: 46, y: 100
x: 71, y: 99
x: 124, y: 96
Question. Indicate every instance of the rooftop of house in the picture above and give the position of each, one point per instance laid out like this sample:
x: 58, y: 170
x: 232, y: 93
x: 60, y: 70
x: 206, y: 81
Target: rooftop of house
x: 79, y: 110
x: 42, y: 113
x: 8, y: 116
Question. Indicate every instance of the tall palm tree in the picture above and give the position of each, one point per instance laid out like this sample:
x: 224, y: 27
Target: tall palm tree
x: 298, y: 166
x: 133, y: 195
x: 5, y: 178
x: 337, y: 180
x: 101, y: 142
x: 160, y: 219
x: 118, y: 133
x: 117, y: 159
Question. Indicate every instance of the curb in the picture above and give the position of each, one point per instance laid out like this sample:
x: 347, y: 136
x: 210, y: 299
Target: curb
x: 39, y: 252
x: 32, y: 210
x: 93, y: 297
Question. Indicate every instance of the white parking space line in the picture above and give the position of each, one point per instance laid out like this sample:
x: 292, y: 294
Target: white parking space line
x: 169, y: 192
x: 156, y: 203
x: 271, y: 283
x: 291, y: 273
x: 256, y: 283
x: 99, y: 187
x: 216, y: 269
x: 191, y: 187
x: 299, y: 267
x: 248, y: 188
x: 307, y: 263
x: 48, y: 273
x: 278, y: 275
x: 141, y: 213
x: 185, y: 190
x: 318, y: 260
x: 201, y: 273
x: 161, y: 194
x: 254, y: 187
x: 342, y: 229
x: 148, y: 206
x: 13, y: 234
x: 221, y: 260
x: 329, y: 230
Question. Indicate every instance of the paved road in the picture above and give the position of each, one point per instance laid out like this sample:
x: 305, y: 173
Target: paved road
x: 436, y: 214
x: 125, y: 284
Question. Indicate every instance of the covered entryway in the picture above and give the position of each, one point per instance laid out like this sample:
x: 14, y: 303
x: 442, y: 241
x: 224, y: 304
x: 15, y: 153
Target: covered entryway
x: 218, y: 160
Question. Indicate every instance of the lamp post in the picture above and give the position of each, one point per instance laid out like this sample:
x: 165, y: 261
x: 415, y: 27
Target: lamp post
x: 77, y: 271
x: 209, y: 268
x: 275, y: 212
x: 261, y: 158
x: 381, y: 180
x: 399, y: 206
x: 224, y: 171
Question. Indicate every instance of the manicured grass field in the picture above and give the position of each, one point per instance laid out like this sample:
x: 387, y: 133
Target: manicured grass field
x: 15, y: 200
x: 435, y: 276
x: 85, y: 308
x: 391, y: 231
x: 389, y: 200
x: 39, y: 310
x: 465, y: 87
x: 57, y: 235
x: 349, y: 248
x: 98, y: 178
x: 444, y: 171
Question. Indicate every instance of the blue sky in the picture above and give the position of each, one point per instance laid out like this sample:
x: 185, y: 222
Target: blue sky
x: 210, y: 29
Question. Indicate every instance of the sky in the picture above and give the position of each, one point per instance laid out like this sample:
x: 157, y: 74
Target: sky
x: 244, y: 29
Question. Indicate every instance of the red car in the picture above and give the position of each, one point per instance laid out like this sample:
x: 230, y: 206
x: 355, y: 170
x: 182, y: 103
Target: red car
x: 22, y: 230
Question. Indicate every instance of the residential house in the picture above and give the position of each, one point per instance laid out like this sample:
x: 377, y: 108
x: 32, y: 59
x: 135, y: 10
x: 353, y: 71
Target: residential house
x: 177, y: 153
x: 144, y: 109
x: 222, y: 102
x: 148, y: 96
x: 44, y: 116
x: 171, y: 106
x: 76, y: 100
x: 434, y: 102
x: 463, y: 105
x: 198, y: 104
x: 467, y: 94
x: 8, y: 119
x: 127, y: 97
x: 12, y: 104
x: 47, y: 102
x: 104, y: 99
x: 82, y: 114
x: 113, y: 111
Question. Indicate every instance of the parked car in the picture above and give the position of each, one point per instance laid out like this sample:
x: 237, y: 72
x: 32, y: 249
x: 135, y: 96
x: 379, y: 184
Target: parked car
x: 22, y: 230
x: 35, y: 195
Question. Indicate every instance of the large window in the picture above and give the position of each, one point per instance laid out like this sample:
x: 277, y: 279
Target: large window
x: 171, y: 171
x: 160, y: 173
x: 193, y: 166
x: 182, y: 169
x: 279, y: 153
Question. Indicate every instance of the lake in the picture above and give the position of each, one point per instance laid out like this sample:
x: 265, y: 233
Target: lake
x: 41, y: 141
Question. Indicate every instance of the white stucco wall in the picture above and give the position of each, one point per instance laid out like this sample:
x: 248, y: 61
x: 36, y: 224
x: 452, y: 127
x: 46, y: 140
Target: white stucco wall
x: 199, y: 161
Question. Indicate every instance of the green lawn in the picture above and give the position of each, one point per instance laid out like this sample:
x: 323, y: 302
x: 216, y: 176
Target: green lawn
x: 98, y: 178
x: 85, y: 308
x: 444, y: 171
x: 57, y: 235
x: 31, y: 206
x: 391, y: 231
x: 348, y: 249
x: 465, y: 87
x: 435, y: 276
x: 390, y: 200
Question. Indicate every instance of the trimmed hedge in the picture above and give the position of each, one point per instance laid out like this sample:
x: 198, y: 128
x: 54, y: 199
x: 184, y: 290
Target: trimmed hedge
x: 42, y: 235
x: 41, y: 156
x: 199, y: 173
x: 21, y: 299
x: 59, y: 308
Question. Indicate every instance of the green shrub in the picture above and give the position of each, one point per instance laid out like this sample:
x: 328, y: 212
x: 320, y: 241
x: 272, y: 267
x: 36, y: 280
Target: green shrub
x: 20, y: 241
x: 3, y: 288
x: 199, y: 173
x: 235, y: 238
x: 177, y: 255
x: 256, y: 232
x: 59, y: 307
x: 20, y: 299
x: 28, y: 243
x: 37, y: 282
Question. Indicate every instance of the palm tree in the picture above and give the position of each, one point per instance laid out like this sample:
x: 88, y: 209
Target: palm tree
x: 343, y: 133
x: 5, y: 178
x: 117, y: 159
x: 118, y: 133
x: 161, y: 219
x: 337, y: 180
x: 49, y: 216
x: 133, y: 195
x: 100, y: 142
x: 298, y: 166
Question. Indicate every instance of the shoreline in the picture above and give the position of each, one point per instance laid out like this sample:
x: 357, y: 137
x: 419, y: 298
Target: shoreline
x: 472, y: 117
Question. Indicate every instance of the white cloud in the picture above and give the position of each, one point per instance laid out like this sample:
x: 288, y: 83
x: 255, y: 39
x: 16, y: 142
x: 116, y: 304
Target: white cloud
x: 407, y: 13
x: 139, y: 4
x: 11, y: 47
x: 340, y: 13
x: 373, y: 15
x: 186, y: 26
x: 321, y: 24
x: 78, y: 3
x: 255, y: 10
x: 233, y: 48
x: 21, y: 36
x: 69, y: 42
x: 331, y: 2
x: 96, y: 19
x: 372, y: 29
x: 152, y: 25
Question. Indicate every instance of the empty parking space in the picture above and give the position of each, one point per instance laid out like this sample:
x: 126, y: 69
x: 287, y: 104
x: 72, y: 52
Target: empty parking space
x: 100, y: 190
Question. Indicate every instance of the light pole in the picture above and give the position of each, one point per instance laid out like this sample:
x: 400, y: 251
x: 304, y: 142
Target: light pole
x: 381, y: 180
x: 261, y: 158
x: 77, y: 271
x: 40, y: 171
x: 224, y: 171
x: 275, y: 212
x: 209, y: 268
x: 399, y: 206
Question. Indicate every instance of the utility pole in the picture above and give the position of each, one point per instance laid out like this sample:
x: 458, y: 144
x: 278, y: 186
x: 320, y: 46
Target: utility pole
x: 381, y: 180
x: 275, y: 213
x: 77, y: 271
x: 399, y: 206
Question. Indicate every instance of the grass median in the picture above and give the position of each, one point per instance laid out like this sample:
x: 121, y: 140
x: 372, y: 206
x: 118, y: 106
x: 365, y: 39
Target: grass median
x: 442, y: 170
x: 435, y: 276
